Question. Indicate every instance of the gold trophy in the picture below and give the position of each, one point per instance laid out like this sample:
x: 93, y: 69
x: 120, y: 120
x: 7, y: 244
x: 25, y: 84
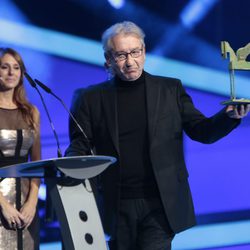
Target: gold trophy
x: 237, y: 62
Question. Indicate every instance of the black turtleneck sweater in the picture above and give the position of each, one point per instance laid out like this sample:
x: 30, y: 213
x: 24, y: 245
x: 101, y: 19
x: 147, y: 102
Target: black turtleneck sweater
x: 137, y: 178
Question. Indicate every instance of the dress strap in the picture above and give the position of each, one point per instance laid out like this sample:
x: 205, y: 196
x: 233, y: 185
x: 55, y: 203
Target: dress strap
x: 19, y: 142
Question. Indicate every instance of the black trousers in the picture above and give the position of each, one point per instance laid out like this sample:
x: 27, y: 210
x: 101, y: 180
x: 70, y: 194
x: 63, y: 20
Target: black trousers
x: 142, y: 225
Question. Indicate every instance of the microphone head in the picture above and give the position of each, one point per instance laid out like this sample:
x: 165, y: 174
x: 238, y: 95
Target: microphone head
x: 43, y: 86
x: 30, y: 80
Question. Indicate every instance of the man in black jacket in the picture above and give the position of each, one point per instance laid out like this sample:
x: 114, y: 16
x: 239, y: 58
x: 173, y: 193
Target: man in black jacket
x: 139, y: 119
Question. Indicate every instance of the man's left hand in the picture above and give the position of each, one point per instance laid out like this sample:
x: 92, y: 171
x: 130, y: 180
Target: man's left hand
x: 238, y: 111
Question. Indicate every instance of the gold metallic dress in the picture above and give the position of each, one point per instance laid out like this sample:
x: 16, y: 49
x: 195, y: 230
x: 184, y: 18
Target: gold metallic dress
x: 16, y: 139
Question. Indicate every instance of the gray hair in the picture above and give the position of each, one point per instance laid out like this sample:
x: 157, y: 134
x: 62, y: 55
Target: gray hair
x: 125, y: 27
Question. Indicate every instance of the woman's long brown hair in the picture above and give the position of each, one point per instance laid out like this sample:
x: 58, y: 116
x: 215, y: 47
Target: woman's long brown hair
x: 19, y: 96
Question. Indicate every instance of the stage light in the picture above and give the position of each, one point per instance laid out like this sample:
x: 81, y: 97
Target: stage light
x: 191, y: 15
x: 195, y: 11
x: 117, y: 4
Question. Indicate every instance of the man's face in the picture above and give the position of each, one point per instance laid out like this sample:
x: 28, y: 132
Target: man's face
x: 126, y: 66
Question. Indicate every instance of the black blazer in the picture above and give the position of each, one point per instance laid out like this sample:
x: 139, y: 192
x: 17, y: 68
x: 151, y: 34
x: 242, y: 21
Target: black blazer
x: 170, y: 111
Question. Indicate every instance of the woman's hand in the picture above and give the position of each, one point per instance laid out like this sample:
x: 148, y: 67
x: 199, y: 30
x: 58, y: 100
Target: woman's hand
x: 14, y: 218
x: 28, y: 211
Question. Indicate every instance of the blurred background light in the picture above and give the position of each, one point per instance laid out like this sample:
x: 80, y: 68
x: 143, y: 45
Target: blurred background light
x: 117, y: 4
x: 42, y: 192
x: 195, y: 11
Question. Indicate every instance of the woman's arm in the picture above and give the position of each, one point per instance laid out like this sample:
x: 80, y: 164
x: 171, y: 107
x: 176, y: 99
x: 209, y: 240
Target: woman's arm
x: 29, y: 208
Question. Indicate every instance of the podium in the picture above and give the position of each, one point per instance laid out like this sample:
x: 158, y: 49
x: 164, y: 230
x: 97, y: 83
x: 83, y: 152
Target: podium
x: 73, y: 201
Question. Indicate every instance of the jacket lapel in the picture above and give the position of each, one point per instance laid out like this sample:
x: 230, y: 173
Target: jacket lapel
x: 152, y: 100
x: 110, y: 108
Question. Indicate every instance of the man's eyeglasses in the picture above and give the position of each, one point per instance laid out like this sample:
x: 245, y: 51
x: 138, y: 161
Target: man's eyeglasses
x: 122, y: 56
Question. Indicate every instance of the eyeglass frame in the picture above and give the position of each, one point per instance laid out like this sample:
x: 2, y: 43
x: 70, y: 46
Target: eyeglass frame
x: 115, y: 56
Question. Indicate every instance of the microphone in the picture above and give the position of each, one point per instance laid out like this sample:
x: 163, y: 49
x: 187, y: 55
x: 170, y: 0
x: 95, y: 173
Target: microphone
x: 44, y: 87
x: 33, y: 84
x: 48, y: 172
x: 48, y: 90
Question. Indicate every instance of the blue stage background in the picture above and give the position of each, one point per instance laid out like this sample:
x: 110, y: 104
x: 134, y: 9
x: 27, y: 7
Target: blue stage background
x: 63, y: 50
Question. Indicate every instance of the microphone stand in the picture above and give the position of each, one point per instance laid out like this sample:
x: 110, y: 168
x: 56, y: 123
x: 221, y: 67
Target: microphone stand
x: 49, y: 172
x: 33, y: 84
x: 48, y: 90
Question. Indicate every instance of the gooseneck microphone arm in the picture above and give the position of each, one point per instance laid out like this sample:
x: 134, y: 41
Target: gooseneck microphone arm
x: 48, y: 90
x: 33, y: 84
x: 49, y: 172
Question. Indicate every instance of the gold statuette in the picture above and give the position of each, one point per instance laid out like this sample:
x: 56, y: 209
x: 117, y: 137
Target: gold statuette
x: 237, y: 62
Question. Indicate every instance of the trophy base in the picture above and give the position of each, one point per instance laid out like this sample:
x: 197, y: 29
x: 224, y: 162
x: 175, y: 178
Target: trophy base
x: 236, y: 102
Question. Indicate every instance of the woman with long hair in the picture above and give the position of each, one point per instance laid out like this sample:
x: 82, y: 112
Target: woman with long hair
x: 19, y: 142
